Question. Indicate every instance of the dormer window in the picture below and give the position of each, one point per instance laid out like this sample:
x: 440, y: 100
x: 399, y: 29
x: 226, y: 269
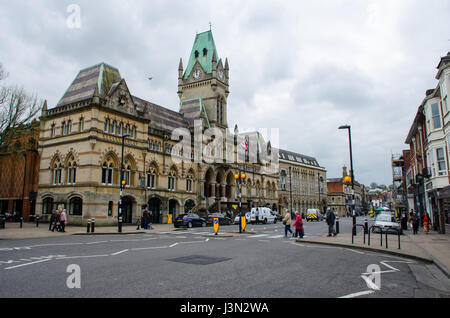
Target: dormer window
x: 196, y: 54
x: 205, y: 51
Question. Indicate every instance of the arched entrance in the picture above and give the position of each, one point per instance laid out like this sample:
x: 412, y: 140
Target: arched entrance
x: 127, y: 210
x: 154, y: 205
x: 189, y: 205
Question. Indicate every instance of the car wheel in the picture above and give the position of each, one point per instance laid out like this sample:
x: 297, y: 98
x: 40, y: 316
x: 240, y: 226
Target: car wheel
x: 265, y: 221
x: 275, y: 221
x: 190, y: 225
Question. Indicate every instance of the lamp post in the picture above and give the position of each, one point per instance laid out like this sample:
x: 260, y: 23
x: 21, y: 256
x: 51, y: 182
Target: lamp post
x: 290, y: 191
x: 240, y: 177
x: 122, y: 183
x: 352, y: 176
x: 319, y: 180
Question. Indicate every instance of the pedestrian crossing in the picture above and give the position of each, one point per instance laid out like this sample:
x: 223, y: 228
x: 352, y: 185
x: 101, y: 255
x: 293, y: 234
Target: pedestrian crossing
x: 249, y: 236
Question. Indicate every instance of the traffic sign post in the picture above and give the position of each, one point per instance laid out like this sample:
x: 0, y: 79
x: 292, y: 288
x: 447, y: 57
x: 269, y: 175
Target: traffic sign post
x: 243, y: 223
x: 216, y: 225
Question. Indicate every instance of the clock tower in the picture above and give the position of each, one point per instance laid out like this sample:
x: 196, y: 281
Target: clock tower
x: 203, y: 85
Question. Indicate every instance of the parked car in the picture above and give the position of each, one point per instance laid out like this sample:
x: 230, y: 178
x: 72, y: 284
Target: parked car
x: 387, y: 222
x: 223, y: 220
x: 314, y: 215
x: 264, y: 216
x: 189, y: 220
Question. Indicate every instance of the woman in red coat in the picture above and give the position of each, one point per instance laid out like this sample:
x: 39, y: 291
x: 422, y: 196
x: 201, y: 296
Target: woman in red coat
x: 426, y: 223
x: 298, y: 224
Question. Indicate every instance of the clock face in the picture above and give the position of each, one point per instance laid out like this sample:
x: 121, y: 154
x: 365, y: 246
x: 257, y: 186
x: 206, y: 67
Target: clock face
x: 197, y: 74
x: 221, y: 74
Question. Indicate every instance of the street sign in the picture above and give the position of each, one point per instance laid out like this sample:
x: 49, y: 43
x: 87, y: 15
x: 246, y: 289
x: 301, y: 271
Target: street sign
x: 243, y: 222
x: 216, y: 225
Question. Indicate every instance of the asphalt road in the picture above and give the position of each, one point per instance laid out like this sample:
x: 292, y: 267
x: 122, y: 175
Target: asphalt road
x: 192, y: 263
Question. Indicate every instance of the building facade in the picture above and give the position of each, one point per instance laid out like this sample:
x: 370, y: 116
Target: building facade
x: 302, y: 182
x: 170, y: 159
x: 19, y: 172
x: 340, y: 195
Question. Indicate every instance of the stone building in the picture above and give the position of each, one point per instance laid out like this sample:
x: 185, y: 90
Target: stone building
x: 302, y: 182
x: 166, y: 156
x: 340, y: 195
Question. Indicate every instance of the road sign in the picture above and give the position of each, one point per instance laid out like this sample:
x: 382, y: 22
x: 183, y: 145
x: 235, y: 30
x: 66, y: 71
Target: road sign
x: 216, y: 225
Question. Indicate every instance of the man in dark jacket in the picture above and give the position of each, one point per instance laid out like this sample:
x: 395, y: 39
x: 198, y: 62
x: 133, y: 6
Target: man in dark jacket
x: 330, y: 219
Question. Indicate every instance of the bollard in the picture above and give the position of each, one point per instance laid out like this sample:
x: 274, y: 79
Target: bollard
x: 92, y: 225
x: 337, y: 225
x: 120, y: 224
x: 88, y: 226
x: 387, y: 238
x: 366, y: 226
x: 138, y: 223
x: 21, y: 221
x: 37, y: 220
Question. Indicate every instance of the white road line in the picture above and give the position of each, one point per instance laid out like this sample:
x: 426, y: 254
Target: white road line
x: 117, y: 253
x: 259, y: 235
x: 275, y: 236
x: 83, y: 256
x: 148, y: 248
x: 348, y: 249
x: 366, y: 292
x: 98, y: 242
x: 207, y: 240
x: 192, y: 242
x: 26, y: 264
x: 174, y: 244
x: 56, y: 244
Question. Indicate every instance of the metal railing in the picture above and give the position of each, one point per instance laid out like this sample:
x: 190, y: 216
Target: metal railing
x: 386, y: 232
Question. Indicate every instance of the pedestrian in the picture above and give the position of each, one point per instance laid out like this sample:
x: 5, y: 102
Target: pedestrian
x: 287, y: 223
x: 52, y: 222
x: 415, y: 223
x: 145, y: 218
x: 330, y: 219
x: 426, y: 223
x: 411, y: 214
x: 298, y: 224
x: 257, y: 216
x: 63, y: 220
x: 56, y: 223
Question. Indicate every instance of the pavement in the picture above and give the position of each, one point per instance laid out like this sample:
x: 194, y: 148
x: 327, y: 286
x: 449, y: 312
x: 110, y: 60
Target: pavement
x: 431, y: 248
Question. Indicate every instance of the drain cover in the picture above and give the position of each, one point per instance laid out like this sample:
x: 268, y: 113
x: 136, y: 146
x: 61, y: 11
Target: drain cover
x: 199, y: 260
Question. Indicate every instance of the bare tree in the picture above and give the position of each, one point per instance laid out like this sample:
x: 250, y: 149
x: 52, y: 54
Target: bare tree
x: 17, y: 109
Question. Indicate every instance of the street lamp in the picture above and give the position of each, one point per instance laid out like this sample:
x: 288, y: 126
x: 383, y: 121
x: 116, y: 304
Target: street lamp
x: 122, y: 183
x: 352, y: 176
x: 240, y: 177
x: 319, y: 180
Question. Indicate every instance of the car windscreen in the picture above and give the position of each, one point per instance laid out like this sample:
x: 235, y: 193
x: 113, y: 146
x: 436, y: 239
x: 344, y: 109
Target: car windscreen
x: 385, y: 218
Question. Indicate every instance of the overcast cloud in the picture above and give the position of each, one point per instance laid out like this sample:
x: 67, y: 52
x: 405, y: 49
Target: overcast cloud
x: 305, y: 67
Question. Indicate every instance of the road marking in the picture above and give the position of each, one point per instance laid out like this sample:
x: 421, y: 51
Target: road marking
x: 348, y: 249
x: 174, y: 244
x: 362, y: 293
x: 259, y: 235
x: 117, y: 253
x: 207, y: 240
x: 98, y: 242
x: 83, y: 256
x: 148, y: 248
x: 275, y: 236
x: 26, y: 264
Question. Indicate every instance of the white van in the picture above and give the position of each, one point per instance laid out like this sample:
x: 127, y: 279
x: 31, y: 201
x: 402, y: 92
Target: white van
x: 264, y: 216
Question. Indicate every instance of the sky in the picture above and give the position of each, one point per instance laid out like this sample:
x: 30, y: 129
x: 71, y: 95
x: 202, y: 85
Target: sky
x: 302, y: 67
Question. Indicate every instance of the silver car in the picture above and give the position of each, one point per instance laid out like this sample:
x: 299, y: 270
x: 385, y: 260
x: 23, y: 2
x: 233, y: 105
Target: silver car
x: 387, y: 222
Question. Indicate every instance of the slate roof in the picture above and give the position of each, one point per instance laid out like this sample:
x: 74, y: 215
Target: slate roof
x: 86, y: 84
x: 160, y: 117
x: 296, y: 157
